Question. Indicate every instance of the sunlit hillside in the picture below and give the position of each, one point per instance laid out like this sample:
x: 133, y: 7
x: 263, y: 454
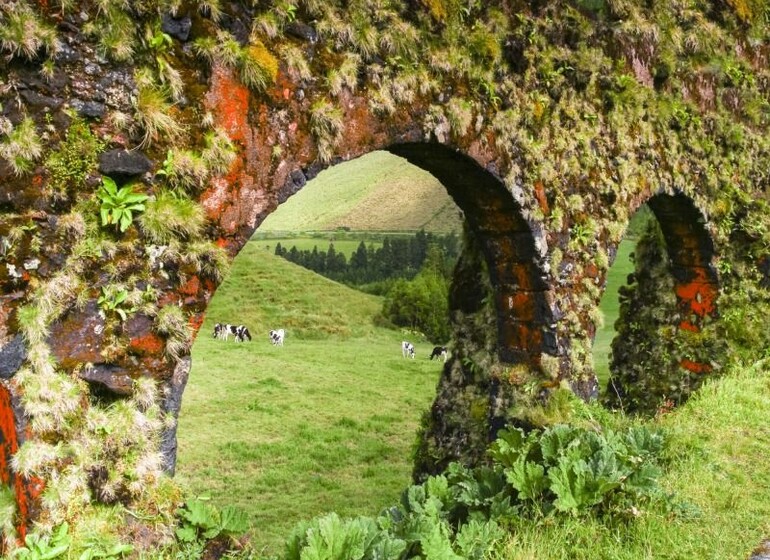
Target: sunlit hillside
x: 376, y: 192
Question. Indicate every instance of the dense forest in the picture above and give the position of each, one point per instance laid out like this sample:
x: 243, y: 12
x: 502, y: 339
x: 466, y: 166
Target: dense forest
x: 397, y: 257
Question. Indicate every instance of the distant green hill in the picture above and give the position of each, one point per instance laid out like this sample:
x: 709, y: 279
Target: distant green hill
x: 376, y: 192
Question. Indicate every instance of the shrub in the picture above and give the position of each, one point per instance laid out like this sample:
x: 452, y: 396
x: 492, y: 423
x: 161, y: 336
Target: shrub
x: 422, y: 303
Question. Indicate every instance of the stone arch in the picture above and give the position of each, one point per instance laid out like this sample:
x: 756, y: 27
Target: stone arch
x: 691, y: 251
x: 524, y: 318
x: 664, y: 343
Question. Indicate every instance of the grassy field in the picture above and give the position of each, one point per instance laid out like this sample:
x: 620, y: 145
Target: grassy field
x: 324, y: 423
x: 717, y: 470
x: 376, y: 192
x: 610, y: 307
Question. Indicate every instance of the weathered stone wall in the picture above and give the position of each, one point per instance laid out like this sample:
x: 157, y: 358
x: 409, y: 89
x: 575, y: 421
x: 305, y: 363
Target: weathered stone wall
x: 548, y: 125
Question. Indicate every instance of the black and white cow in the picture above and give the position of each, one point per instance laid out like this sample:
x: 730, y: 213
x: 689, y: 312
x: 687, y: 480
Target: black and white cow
x: 407, y: 349
x: 277, y: 336
x: 242, y: 333
x: 439, y: 352
x: 223, y: 331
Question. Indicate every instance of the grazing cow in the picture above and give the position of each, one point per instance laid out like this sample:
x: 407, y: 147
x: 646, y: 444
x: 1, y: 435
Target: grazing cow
x: 439, y: 352
x: 276, y: 337
x: 407, y: 349
x: 242, y: 333
x: 223, y: 332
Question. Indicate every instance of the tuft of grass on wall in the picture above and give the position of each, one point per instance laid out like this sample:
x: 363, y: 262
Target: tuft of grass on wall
x: 169, y: 216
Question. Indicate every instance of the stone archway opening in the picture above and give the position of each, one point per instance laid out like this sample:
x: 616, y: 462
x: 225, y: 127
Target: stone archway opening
x: 665, y: 343
x: 521, y: 326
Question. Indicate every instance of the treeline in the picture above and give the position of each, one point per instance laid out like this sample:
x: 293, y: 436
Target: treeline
x: 398, y: 257
x: 412, y: 273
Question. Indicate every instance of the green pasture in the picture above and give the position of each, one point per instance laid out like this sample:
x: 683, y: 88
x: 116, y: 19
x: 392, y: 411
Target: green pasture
x: 610, y: 307
x: 716, y: 475
x: 324, y: 423
x: 376, y: 192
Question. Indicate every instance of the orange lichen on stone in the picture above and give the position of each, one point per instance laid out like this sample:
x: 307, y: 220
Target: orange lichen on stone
x: 695, y: 367
x: 8, y: 443
x: 195, y: 321
x: 518, y: 305
x: 700, y: 296
x: 541, y: 198
x: 26, y: 490
x: 688, y: 326
x: 191, y: 287
x: 147, y: 344
x: 229, y: 101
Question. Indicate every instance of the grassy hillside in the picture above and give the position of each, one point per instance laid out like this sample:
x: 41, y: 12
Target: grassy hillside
x: 376, y: 192
x: 325, y: 423
x: 610, y: 307
x: 717, y: 470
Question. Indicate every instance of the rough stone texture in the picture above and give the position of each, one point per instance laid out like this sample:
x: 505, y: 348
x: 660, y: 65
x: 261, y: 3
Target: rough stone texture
x: 172, y: 404
x: 12, y: 355
x: 115, y: 379
x: 124, y: 163
x: 302, y: 31
x: 176, y: 27
x: 762, y: 552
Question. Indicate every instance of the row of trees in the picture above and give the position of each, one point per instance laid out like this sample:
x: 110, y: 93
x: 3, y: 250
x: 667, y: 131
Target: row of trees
x: 414, y: 270
x: 397, y: 257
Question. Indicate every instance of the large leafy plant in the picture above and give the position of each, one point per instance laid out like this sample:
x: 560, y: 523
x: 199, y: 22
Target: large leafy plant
x: 119, y: 204
x: 199, y: 521
x: 459, y: 515
x: 37, y: 547
x: 573, y: 469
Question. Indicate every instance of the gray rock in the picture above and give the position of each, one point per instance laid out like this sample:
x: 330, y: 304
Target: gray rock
x: 176, y: 27
x: 113, y: 378
x: 126, y: 163
x: 91, y: 109
x: 35, y: 99
x: 172, y: 403
x: 12, y: 355
x: 762, y: 552
x: 302, y: 31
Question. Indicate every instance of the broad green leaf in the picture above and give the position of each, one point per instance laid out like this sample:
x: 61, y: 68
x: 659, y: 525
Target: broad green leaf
x: 528, y: 478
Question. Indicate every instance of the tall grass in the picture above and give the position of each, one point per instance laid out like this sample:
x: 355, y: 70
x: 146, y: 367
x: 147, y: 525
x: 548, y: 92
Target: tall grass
x: 324, y: 423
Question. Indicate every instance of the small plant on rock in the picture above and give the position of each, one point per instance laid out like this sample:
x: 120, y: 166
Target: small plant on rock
x: 113, y: 300
x: 119, y: 204
x: 37, y: 547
